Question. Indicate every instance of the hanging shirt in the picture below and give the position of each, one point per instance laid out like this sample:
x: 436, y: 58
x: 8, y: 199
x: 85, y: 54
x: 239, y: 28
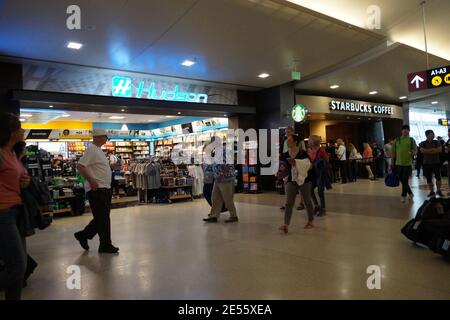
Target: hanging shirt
x: 97, y: 165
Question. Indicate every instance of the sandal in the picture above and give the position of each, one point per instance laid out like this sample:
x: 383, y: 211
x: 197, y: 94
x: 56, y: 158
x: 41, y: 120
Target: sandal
x: 309, y: 225
x: 283, y: 228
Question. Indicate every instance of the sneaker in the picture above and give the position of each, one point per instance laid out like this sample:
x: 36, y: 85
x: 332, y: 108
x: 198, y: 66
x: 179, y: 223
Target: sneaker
x: 82, y: 240
x: 402, y: 199
x: 210, y: 219
x: 431, y: 194
x: 439, y: 193
x: 232, y: 219
x: 411, y: 196
x: 108, y: 249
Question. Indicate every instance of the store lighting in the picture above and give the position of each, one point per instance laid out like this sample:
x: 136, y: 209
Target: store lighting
x: 188, y: 63
x: 403, y: 97
x: 169, y: 116
x: 264, y: 75
x: 25, y: 115
x: 22, y: 119
x: 373, y: 92
x: 116, y: 118
x: 50, y: 106
x: 74, y: 45
x: 435, y: 102
x: 334, y: 86
x: 124, y: 127
x: 123, y: 110
x: 179, y: 113
x: 65, y: 115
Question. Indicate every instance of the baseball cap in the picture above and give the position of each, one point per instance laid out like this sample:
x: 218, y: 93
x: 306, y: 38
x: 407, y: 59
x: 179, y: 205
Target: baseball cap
x: 99, y: 132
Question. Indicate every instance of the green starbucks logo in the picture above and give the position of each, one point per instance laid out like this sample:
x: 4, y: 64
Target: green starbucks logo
x: 298, y: 113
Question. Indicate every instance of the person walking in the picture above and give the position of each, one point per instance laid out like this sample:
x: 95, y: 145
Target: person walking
x: 388, y: 155
x: 419, y: 162
x: 342, y: 159
x: 223, y: 192
x: 95, y: 168
x: 12, y: 178
x: 292, y: 187
x: 320, y: 161
x: 447, y: 152
x: 432, y: 150
x: 368, y: 160
x: 403, y: 151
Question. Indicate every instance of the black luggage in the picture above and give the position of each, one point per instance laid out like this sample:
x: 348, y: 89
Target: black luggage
x: 440, y: 229
x: 416, y: 231
x: 435, y: 208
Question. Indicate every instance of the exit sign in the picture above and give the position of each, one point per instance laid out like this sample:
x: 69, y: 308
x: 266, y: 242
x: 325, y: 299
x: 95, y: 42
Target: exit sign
x: 296, y: 75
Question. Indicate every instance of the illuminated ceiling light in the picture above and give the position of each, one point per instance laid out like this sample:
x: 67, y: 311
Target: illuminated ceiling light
x: 169, y: 116
x: 124, y: 127
x: 403, y: 97
x: 74, y: 45
x: 224, y: 115
x: 22, y: 119
x: 188, y: 63
x: 123, y: 110
x: 116, y: 118
x: 334, y: 86
x: 435, y: 102
x: 373, y: 92
x: 65, y: 115
x: 150, y: 120
x: 50, y: 106
x: 179, y: 113
x: 26, y: 115
x: 264, y: 75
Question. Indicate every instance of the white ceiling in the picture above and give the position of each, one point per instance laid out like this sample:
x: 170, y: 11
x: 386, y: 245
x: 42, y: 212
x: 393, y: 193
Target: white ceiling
x: 233, y: 41
x: 401, y: 20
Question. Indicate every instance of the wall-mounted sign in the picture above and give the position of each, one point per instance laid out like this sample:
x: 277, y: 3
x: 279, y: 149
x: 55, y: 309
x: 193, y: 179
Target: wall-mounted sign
x: 443, y: 122
x: 429, y: 79
x: 299, y: 112
x: 38, y: 134
x: 357, y: 107
x: 125, y: 87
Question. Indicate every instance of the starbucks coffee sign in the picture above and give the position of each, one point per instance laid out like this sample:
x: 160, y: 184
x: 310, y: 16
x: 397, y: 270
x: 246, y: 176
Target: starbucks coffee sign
x: 299, y: 113
x: 359, y: 107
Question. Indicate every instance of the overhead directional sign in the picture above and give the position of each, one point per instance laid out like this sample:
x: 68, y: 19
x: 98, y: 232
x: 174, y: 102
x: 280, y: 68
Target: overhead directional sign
x: 429, y: 79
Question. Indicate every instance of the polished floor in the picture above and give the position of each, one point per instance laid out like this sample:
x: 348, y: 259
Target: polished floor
x: 167, y: 252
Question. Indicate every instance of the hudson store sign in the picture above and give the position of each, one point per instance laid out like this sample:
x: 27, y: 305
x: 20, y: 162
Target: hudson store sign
x: 126, y: 87
x: 357, y: 107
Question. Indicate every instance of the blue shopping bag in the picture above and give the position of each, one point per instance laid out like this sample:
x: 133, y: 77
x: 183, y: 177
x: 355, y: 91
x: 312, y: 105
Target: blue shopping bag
x: 392, y: 180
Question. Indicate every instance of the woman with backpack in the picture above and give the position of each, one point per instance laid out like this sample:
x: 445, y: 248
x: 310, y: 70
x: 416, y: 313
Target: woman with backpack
x: 320, y: 161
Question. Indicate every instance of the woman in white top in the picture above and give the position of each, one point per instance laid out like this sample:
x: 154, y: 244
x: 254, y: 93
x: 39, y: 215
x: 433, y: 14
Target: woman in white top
x: 353, y: 162
x: 342, y: 159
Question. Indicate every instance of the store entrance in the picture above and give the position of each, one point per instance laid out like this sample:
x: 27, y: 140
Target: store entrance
x: 140, y: 151
x: 349, y: 132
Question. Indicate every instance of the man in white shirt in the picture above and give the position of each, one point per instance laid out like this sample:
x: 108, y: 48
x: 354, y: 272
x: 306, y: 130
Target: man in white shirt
x: 341, y: 154
x: 95, y: 168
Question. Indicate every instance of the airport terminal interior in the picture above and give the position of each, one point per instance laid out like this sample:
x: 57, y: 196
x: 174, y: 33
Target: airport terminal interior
x: 332, y: 117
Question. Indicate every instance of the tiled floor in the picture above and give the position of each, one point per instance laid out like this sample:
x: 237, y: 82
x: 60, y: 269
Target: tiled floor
x: 167, y: 252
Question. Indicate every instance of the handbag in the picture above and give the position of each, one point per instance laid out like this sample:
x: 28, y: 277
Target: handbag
x: 392, y: 180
